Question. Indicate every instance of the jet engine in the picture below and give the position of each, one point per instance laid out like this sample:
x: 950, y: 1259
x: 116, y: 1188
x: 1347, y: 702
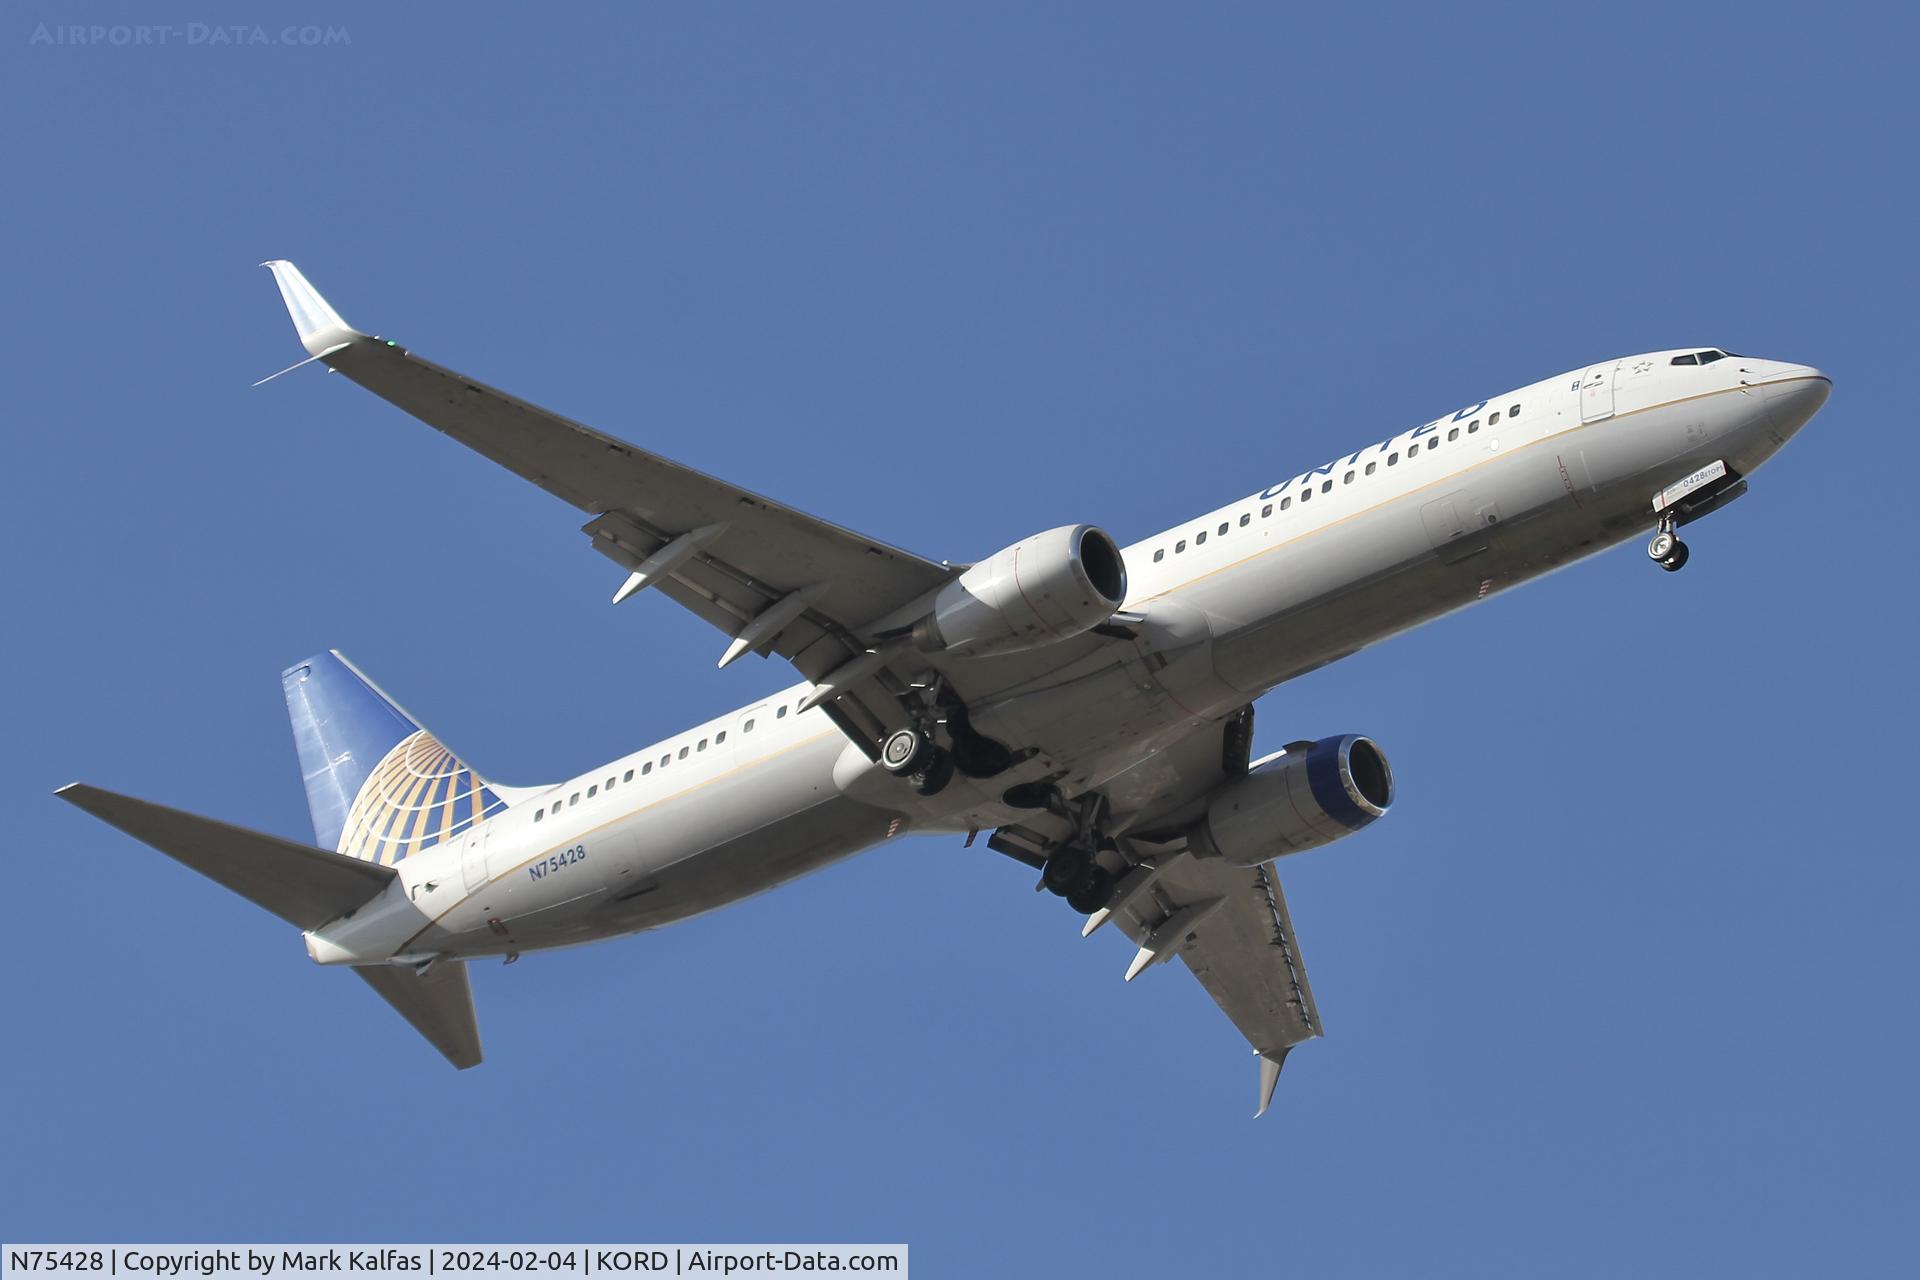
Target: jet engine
x: 1310, y: 795
x: 1052, y: 586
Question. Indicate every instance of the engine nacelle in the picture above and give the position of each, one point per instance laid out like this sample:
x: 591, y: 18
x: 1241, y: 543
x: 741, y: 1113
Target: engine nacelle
x: 1305, y: 798
x: 1052, y: 586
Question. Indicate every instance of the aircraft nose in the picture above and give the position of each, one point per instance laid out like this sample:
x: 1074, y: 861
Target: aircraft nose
x: 1794, y: 393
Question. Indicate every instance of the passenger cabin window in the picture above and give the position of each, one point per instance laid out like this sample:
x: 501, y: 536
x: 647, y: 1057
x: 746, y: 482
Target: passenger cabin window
x: 627, y: 776
x: 719, y: 737
x: 646, y: 768
x: 1393, y: 459
x: 1413, y: 448
x: 1159, y: 555
x: 1371, y: 466
x: 593, y: 791
x: 1223, y: 526
x: 682, y: 753
x: 1305, y: 494
x: 1199, y: 537
x: 1268, y: 510
x: 1513, y: 411
x: 1493, y: 417
x: 1246, y: 520
x: 539, y: 814
x: 574, y: 798
x: 1326, y: 486
x: 781, y: 714
x: 702, y: 746
x: 747, y: 727
x: 610, y: 782
x: 1347, y: 478
x: 1179, y: 546
x: 1454, y: 434
x: 1285, y: 503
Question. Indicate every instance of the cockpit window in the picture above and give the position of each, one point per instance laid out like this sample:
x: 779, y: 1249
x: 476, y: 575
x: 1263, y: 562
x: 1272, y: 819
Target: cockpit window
x: 1708, y: 357
x: 1688, y: 358
x: 1699, y: 357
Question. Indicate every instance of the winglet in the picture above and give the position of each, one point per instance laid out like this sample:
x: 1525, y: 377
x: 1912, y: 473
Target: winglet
x: 320, y: 327
x: 1270, y: 1078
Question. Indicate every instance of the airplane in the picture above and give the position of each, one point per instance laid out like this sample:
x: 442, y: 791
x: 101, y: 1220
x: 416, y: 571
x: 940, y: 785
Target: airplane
x: 1088, y: 706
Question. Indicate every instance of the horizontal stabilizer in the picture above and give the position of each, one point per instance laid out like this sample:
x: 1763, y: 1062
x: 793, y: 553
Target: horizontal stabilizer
x: 302, y: 885
x: 438, y: 1003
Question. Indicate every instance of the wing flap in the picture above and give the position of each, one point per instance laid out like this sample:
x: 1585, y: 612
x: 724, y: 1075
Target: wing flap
x: 1245, y: 954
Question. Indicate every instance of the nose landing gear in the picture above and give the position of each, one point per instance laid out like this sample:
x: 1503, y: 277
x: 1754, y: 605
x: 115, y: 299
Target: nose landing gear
x: 1665, y: 548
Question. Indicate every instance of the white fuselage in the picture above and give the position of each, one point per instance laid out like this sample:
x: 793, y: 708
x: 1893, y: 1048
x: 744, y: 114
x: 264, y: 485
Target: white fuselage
x: 1235, y: 601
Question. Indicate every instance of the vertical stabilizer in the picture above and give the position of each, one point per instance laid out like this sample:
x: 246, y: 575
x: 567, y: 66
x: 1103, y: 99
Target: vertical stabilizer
x: 379, y: 786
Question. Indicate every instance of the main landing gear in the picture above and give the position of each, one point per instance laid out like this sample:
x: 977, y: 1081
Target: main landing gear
x: 1072, y: 873
x: 1665, y: 548
x: 911, y: 754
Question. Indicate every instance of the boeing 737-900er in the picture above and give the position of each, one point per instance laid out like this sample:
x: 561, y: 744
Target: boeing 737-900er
x: 1088, y: 705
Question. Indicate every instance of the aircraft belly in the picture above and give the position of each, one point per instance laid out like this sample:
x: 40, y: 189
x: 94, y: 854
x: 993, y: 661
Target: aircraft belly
x: 714, y: 843
x: 752, y: 862
x: 1437, y: 549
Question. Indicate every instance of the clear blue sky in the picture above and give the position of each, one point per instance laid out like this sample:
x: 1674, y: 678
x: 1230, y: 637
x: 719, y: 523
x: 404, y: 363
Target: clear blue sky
x: 1624, y: 984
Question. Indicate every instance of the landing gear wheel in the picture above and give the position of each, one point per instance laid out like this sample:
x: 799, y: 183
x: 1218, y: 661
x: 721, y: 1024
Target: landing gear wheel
x: 1065, y: 869
x: 1092, y: 891
x: 1661, y: 546
x: 933, y: 779
x: 1676, y: 559
x: 906, y: 751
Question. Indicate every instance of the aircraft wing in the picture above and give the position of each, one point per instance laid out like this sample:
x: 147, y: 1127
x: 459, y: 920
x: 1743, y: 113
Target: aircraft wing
x: 1228, y: 924
x: 1231, y: 928
x: 731, y: 556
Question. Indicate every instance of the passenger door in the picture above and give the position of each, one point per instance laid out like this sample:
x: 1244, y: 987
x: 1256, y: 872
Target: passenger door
x: 473, y: 857
x: 1596, y: 392
x: 742, y: 739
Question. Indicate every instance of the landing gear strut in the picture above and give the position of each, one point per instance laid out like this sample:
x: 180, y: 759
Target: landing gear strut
x: 1665, y: 548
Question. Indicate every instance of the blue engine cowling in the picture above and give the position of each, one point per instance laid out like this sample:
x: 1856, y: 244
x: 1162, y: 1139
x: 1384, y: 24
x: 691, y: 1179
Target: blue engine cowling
x: 1311, y: 794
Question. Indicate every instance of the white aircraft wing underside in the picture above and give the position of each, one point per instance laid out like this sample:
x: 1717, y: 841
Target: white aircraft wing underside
x: 725, y: 553
x: 1243, y: 950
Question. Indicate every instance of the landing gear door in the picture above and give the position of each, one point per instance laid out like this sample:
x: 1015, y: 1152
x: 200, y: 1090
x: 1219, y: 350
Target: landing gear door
x: 1596, y: 392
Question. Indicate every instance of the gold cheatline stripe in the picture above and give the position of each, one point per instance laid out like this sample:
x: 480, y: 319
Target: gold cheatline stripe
x: 1515, y: 452
x: 616, y: 821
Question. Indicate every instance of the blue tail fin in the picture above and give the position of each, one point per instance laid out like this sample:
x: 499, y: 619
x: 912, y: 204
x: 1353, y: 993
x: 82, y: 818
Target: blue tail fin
x: 379, y: 786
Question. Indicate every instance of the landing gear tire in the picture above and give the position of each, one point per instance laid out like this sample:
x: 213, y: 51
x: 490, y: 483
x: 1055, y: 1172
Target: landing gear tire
x: 1676, y: 559
x: 906, y: 751
x: 938, y: 772
x: 1066, y: 869
x: 1661, y: 546
x: 1092, y: 891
